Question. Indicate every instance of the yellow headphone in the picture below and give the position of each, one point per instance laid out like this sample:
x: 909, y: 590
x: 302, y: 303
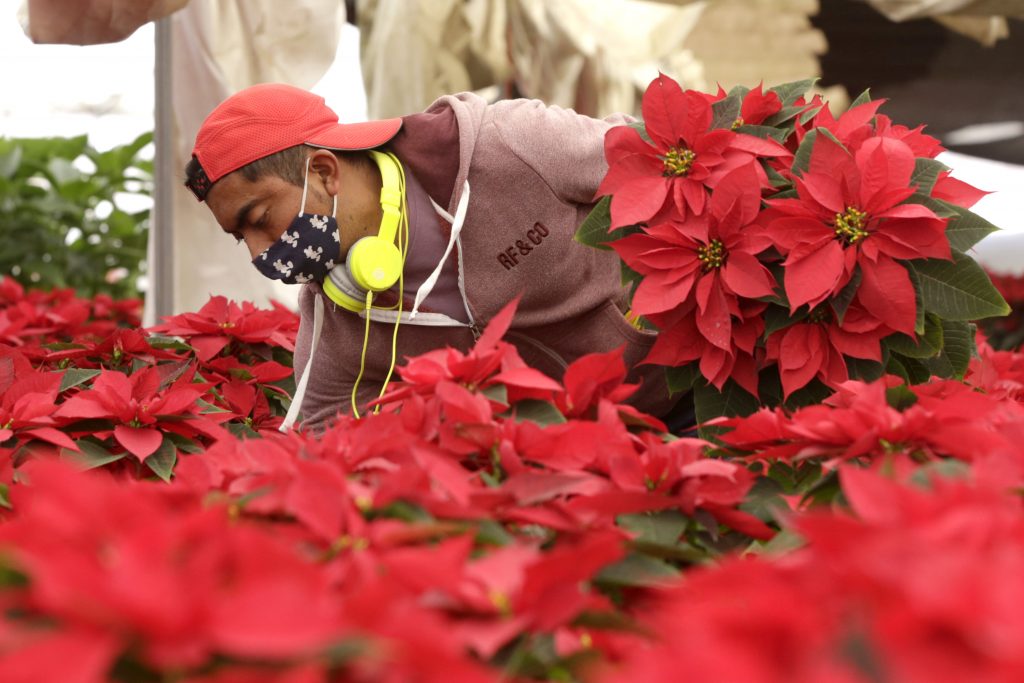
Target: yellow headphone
x: 373, y: 263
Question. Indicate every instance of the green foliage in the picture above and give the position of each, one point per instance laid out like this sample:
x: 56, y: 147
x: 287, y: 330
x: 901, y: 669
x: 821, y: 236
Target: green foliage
x: 593, y: 232
x: 69, y: 216
x: 958, y: 289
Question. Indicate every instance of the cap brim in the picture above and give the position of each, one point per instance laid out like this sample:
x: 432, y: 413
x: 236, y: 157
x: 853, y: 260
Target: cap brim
x: 356, y: 136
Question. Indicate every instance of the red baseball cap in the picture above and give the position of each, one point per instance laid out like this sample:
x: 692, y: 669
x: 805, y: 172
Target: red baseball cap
x: 267, y: 118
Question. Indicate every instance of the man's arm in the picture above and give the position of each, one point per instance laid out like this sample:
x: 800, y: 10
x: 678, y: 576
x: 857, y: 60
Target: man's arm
x: 89, y: 22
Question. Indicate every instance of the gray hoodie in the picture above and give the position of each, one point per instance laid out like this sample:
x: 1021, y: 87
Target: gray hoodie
x: 532, y: 171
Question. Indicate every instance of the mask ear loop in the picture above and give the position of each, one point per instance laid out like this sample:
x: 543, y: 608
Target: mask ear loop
x: 305, y: 188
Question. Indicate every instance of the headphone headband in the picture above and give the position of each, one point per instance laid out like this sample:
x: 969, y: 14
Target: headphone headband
x: 390, y: 194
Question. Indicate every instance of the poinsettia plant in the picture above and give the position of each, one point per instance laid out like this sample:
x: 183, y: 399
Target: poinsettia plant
x: 781, y: 250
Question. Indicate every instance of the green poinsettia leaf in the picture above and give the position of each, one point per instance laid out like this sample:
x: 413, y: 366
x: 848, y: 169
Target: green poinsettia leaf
x: 73, y: 377
x: 640, y: 128
x: 732, y: 401
x: 790, y: 92
x: 939, y: 207
x: 783, y: 116
x: 915, y: 282
x: 863, y: 369
x: 541, y: 412
x: 958, y: 289
x: 777, y: 180
x: 91, y: 454
x: 681, y: 379
x: 593, y: 232
x: 208, y: 408
x: 911, y: 370
x: 778, y: 318
x: 183, y: 443
x: 900, y: 397
x: 767, y: 132
x: 958, y: 347
x: 802, y: 158
x: 162, y: 461
x: 863, y: 98
x: 966, y: 228
x: 807, y: 115
x: 812, y: 393
x: 663, y: 528
x: 927, y: 345
x: 497, y: 393
x: 637, y: 571
x: 840, y: 303
x: 725, y: 111
x: 926, y: 172
x: 784, y: 542
x: 739, y: 91
x: 159, y: 341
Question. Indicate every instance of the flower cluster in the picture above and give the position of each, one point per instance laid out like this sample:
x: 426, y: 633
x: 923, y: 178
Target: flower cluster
x: 78, y: 378
x: 781, y: 251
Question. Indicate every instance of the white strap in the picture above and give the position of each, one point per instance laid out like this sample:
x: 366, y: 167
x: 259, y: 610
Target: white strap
x: 305, y: 187
x: 300, y: 390
x: 462, y: 286
x: 456, y: 221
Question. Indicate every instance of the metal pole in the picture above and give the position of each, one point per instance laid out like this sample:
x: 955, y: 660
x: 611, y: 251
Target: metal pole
x: 161, y: 266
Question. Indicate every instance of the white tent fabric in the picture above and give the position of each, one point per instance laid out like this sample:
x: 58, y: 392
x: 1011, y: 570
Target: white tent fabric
x: 557, y: 51
x: 218, y: 48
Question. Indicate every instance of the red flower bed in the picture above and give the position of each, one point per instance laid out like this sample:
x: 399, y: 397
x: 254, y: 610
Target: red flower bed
x: 488, y: 523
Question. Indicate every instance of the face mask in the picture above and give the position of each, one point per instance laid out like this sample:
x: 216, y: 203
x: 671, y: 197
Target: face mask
x: 307, y: 250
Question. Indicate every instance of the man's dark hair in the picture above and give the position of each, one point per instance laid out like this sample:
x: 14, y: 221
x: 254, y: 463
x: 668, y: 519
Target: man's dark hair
x: 289, y: 165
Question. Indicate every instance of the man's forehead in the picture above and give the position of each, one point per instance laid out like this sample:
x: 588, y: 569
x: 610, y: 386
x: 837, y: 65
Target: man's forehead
x: 233, y: 191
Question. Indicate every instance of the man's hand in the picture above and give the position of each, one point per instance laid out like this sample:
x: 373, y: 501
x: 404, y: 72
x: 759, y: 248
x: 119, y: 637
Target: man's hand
x: 90, y: 22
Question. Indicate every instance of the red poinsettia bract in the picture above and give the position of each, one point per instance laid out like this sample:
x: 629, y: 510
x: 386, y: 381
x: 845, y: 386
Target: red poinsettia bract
x: 684, y: 159
x: 141, y: 410
x: 220, y: 321
x: 849, y: 218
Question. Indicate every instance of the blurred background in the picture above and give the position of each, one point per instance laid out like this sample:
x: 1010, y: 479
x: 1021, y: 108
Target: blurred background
x: 100, y: 101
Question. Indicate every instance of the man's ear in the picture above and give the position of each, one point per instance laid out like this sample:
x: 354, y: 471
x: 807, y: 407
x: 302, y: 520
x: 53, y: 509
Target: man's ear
x: 325, y: 164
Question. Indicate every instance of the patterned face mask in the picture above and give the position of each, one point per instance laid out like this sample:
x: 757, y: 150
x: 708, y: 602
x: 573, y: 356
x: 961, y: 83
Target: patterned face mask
x: 307, y: 250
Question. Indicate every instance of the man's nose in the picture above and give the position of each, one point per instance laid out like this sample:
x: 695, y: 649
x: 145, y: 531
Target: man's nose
x: 257, y: 245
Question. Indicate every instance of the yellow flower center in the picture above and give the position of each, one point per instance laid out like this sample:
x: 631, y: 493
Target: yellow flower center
x: 711, y: 255
x: 849, y: 226
x: 737, y: 123
x: 678, y: 161
x: 346, y: 542
x: 500, y: 600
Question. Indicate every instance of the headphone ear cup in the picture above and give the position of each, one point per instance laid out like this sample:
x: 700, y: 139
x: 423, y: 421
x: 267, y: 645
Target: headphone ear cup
x: 374, y: 263
x: 340, y: 289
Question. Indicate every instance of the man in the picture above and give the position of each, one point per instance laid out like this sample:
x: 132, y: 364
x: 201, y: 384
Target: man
x: 466, y: 206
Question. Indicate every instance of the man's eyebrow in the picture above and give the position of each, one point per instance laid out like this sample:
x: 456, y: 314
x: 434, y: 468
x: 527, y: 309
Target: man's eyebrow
x: 240, y: 217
